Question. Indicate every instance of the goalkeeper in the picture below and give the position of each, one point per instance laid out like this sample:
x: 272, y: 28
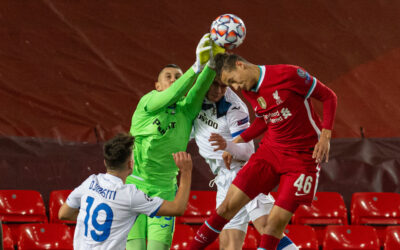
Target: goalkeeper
x: 161, y: 125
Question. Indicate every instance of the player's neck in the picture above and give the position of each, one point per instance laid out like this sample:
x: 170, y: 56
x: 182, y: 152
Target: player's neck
x: 255, y: 75
x: 118, y: 174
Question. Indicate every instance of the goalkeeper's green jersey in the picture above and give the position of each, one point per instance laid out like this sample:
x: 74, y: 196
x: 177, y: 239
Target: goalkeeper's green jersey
x: 161, y: 125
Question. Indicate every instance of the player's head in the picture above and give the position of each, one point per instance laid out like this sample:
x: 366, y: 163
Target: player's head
x: 235, y: 71
x: 118, y: 153
x: 168, y: 76
x: 216, y: 91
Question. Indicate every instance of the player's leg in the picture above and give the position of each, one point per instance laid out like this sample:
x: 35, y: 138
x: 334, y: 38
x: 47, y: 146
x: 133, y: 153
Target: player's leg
x: 255, y: 177
x: 297, y: 186
x: 231, y: 239
x: 160, y: 232
x: 259, y: 208
x: 137, y: 235
x: 233, y: 234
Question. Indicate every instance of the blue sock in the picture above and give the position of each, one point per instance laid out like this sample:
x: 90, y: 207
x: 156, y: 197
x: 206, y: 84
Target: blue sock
x: 284, y: 242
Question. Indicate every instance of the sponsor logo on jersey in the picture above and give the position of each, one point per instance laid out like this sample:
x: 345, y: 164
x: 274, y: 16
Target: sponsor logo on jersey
x: 236, y: 107
x: 261, y: 101
x: 243, y: 121
x: 277, y: 97
x: 162, y: 131
x: 203, y: 117
x: 277, y: 116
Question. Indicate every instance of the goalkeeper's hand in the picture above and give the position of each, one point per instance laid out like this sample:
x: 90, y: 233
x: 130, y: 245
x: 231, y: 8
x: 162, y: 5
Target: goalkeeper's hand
x: 213, y: 52
x: 202, y: 53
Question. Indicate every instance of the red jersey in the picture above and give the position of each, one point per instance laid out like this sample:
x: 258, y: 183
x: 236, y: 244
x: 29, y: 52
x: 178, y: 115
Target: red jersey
x: 281, y: 101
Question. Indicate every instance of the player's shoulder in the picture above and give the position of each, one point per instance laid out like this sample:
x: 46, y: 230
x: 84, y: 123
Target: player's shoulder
x: 282, y: 68
x: 237, y: 105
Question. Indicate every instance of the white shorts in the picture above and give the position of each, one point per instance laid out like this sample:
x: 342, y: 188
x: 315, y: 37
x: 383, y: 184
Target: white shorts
x: 259, y: 206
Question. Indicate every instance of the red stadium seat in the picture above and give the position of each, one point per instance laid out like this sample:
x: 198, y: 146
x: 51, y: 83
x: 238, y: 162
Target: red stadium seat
x: 327, y: 208
x: 392, y: 238
x: 8, y: 243
x: 350, y: 237
x: 303, y: 236
x: 376, y: 209
x: 56, y: 200
x: 199, y: 208
x: 21, y: 206
x: 182, y: 237
x: 44, y: 236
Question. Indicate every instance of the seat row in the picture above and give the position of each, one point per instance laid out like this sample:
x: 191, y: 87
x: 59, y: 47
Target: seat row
x: 375, y: 209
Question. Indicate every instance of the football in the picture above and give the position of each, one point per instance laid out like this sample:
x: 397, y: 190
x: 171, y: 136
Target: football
x: 228, y: 31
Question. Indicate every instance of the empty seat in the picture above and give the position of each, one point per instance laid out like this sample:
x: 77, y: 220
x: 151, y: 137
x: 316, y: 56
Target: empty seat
x: 22, y: 206
x: 182, y: 237
x: 44, y: 236
x: 350, y: 237
x: 56, y: 200
x: 392, y: 238
x: 377, y: 209
x: 303, y: 236
x: 8, y: 243
x: 199, y: 208
x: 327, y: 208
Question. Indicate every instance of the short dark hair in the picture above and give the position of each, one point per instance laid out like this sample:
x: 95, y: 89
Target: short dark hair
x: 171, y: 65
x: 117, y: 150
x: 226, y: 61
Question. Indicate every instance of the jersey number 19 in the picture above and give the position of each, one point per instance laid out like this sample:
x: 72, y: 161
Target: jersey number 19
x: 91, y: 216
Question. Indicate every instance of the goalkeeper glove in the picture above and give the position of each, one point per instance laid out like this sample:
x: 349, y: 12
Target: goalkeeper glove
x: 213, y: 52
x: 202, y: 53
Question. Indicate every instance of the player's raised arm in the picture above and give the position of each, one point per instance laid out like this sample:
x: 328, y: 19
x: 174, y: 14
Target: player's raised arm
x: 178, y: 206
x: 195, y: 97
x: 182, y: 85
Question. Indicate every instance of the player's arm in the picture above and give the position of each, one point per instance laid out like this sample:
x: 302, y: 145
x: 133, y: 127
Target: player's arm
x: 68, y: 213
x: 257, y: 128
x: 178, y: 206
x: 70, y: 209
x: 171, y: 95
x: 197, y: 93
x: 182, y: 85
x: 195, y: 97
x: 329, y: 100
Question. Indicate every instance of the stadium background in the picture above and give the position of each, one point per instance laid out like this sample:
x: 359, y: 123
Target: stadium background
x: 72, y: 72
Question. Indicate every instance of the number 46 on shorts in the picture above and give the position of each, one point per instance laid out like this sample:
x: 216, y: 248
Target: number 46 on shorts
x: 303, y: 185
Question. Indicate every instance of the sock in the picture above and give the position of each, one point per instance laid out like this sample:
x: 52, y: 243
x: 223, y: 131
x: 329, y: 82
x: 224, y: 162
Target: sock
x: 286, y: 244
x: 268, y: 242
x: 208, y: 232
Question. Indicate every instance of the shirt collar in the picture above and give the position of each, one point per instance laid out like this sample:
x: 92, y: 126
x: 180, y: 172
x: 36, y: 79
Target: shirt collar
x: 260, y: 79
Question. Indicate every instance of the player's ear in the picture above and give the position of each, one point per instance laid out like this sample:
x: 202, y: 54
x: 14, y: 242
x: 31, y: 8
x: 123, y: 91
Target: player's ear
x: 158, y: 86
x: 240, y: 64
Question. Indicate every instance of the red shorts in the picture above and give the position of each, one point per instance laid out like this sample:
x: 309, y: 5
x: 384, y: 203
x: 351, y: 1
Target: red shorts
x: 296, y: 173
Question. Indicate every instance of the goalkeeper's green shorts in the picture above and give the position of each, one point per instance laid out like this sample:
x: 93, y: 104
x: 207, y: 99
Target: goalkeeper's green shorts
x: 158, y: 228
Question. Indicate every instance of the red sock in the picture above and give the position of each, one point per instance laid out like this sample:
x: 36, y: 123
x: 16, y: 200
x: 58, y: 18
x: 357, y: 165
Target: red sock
x: 208, y: 232
x: 268, y: 242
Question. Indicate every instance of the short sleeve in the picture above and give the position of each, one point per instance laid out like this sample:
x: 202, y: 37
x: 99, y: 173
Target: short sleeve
x: 74, y: 198
x: 144, y: 204
x: 237, y: 117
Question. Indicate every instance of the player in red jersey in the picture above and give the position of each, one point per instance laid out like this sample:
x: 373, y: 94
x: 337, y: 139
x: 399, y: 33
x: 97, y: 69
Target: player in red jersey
x: 295, y: 142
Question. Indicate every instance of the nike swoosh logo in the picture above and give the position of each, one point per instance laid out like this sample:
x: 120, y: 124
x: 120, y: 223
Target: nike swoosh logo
x: 297, y: 194
x: 164, y: 226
